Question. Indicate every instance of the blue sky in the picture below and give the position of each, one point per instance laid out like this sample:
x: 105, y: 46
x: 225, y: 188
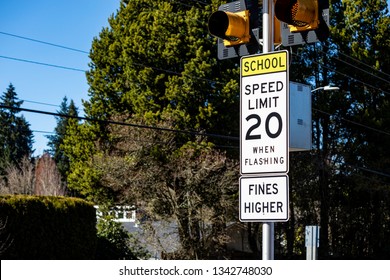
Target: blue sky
x: 70, y: 23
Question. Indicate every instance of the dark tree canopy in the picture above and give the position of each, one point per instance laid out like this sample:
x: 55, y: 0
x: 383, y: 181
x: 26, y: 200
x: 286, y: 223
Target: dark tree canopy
x: 16, y: 138
x: 56, y: 140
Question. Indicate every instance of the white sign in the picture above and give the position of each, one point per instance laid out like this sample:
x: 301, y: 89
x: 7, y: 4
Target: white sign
x: 264, y: 126
x: 264, y: 199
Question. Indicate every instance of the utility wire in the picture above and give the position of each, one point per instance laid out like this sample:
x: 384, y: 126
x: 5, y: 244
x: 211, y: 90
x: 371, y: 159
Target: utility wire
x: 173, y: 72
x: 80, y: 70
x: 43, y: 132
x: 161, y: 129
x: 39, y: 103
x: 361, y: 62
x: 353, y: 122
x: 372, y: 171
x: 366, y: 169
x: 373, y: 129
x: 356, y: 67
x: 42, y: 63
x: 235, y: 138
x: 177, y: 73
x: 43, y: 42
x: 347, y: 76
x: 122, y: 123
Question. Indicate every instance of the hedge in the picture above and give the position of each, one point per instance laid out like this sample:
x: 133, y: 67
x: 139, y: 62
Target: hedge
x: 45, y: 227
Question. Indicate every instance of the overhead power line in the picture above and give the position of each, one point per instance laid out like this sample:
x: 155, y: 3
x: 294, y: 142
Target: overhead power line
x: 234, y: 138
x: 355, y: 123
x: 372, y: 171
x: 43, y: 42
x: 39, y: 103
x: 173, y: 72
x: 358, y: 68
x: 168, y: 71
x: 177, y: 73
x: 361, y: 62
x: 42, y: 63
x: 169, y: 129
x: 347, y: 76
x: 43, y: 132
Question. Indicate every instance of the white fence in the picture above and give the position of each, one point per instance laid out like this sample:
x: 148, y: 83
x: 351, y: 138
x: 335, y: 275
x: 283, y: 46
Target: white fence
x: 122, y: 214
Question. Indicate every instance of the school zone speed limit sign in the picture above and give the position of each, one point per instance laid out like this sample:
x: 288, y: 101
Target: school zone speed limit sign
x: 264, y: 112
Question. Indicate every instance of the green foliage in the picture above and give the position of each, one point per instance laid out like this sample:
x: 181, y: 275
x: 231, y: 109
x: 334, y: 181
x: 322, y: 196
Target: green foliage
x: 79, y: 146
x: 48, y: 227
x: 154, y: 62
x: 16, y: 138
x: 343, y: 185
x: 158, y: 58
x: 116, y: 243
x: 56, y: 140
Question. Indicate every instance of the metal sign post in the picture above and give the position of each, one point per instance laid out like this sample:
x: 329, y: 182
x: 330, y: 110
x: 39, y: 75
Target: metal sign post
x: 264, y: 135
x: 268, y: 46
x: 312, y: 242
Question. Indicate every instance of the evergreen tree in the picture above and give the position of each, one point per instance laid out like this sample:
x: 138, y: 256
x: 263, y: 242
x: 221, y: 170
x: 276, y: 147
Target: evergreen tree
x: 347, y: 171
x: 362, y: 180
x: 16, y: 138
x: 156, y: 66
x: 56, y: 140
x: 157, y: 62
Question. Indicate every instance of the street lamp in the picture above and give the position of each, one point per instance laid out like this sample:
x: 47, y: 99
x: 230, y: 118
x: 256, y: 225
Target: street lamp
x: 326, y: 88
x: 322, y: 136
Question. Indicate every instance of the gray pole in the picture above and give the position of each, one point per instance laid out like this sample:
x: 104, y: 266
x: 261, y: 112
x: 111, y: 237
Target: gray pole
x: 268, y: 46
x: 312, y: 240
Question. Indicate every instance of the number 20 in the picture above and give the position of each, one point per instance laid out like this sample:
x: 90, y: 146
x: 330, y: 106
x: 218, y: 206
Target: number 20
x: 251, y: 136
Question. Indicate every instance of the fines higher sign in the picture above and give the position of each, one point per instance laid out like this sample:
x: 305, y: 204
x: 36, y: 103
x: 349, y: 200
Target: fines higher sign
x: 264, y: 199
x: 264, y: 113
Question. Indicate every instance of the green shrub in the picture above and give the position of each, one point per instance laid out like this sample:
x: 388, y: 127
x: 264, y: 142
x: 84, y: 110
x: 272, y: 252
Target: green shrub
x: 116, y: 243
x: 44, y: 227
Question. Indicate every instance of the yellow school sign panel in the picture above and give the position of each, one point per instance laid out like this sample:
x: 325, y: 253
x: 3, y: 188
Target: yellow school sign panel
x: 268, y: 63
